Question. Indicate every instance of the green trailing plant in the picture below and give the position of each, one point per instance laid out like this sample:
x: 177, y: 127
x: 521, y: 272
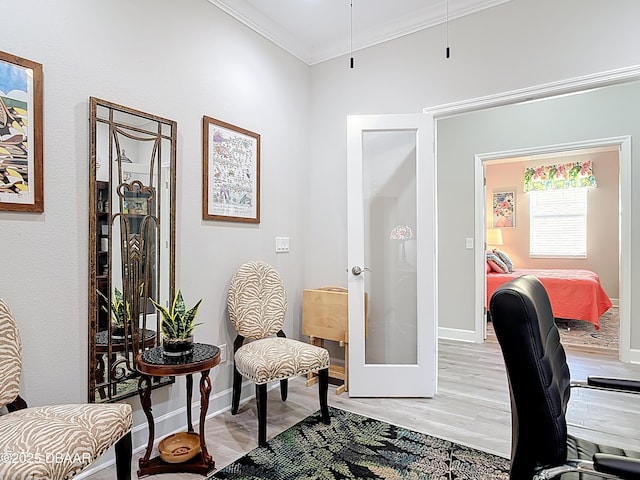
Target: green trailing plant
x: 177, y: 323
x: 120, y: 312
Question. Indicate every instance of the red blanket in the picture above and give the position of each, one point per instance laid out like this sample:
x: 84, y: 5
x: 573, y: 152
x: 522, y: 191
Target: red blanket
x: 574, y: 294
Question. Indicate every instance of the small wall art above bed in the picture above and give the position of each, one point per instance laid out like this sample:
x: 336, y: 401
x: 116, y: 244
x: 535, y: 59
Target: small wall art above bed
x: 504, y: 209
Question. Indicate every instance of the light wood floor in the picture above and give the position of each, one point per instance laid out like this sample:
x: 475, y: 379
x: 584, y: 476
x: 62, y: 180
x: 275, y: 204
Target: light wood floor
x: 471, y: 407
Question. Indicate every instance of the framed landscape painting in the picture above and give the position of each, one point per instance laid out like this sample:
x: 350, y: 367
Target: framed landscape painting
x: 231, y: 172
x: 21, y: 178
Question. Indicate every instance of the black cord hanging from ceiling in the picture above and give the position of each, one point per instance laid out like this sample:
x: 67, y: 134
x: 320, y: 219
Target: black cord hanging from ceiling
x: 448, y: 53
x: 351, y: 63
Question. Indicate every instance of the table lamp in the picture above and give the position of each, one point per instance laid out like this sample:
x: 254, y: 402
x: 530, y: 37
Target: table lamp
x: 402, y: 233
x: 494, y: 237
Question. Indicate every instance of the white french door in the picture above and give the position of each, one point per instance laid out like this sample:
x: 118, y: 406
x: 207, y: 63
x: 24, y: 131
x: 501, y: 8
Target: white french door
x: 391, y: 179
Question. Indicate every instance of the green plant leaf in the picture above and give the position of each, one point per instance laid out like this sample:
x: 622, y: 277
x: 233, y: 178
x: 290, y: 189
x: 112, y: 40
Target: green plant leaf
x: 120, y: 311
x: 177, y: 323
x: 178, y: 305
x: 189, y: 317
x: 167, y: 321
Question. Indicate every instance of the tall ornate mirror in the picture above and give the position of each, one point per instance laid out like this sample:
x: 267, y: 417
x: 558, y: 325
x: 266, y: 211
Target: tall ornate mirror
x: 131, y: 241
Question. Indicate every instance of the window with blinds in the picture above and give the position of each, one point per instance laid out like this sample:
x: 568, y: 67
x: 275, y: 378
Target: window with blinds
x: 558, y: 223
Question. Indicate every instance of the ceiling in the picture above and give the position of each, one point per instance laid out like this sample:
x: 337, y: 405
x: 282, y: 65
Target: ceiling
x: 318, y: 30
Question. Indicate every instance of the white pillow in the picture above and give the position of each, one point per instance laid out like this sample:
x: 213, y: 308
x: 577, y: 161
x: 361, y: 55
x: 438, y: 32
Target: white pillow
x: 497, y: 265
x: 505, y: 259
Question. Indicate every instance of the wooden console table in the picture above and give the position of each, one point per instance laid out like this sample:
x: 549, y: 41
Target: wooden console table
x: 152, y: 363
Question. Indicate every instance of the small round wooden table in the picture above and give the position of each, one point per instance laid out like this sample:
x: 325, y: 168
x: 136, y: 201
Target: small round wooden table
x: 152, y: 363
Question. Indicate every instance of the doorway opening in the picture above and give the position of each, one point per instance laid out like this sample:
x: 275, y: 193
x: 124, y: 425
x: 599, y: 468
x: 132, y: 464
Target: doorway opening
x: 617, y: 82
x: 587, y: 322
x: 615, y: 168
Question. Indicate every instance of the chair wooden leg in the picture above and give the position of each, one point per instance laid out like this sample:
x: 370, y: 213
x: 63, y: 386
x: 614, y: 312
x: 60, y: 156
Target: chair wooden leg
x: 237, y: 377
x: 237, y: 389
x: 123, y: 457
x: 323, y: 388
x: 261, y: 401
x: 284, y: 389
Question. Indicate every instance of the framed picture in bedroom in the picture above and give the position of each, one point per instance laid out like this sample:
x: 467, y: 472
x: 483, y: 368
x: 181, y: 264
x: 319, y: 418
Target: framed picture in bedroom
x: 231, y: 172
x: 504, y: 209
x: 21, y: 178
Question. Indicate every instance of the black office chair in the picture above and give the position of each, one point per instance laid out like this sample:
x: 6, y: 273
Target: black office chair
x: 540, y: 385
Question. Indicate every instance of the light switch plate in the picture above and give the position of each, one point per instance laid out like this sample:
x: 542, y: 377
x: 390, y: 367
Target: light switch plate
x: 282, y: 244
x: 469, y: 243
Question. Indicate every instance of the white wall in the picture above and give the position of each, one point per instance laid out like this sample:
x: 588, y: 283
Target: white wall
x: 179, y: 60
x: 508, y: 47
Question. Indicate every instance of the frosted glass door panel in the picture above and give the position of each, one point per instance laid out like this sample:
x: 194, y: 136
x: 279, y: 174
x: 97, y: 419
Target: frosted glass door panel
x: 389, y: 193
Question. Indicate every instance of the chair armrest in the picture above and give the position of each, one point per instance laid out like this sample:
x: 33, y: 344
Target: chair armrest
x: 609, y: 383
x: 623, y: 467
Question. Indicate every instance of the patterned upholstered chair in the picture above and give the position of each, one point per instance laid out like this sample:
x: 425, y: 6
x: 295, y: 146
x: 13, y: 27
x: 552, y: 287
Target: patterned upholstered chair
x: 257, y: 304
x: 54, y: 442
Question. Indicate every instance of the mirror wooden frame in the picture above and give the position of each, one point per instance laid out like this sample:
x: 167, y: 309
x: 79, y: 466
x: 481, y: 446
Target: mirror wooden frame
x: 132, y: 210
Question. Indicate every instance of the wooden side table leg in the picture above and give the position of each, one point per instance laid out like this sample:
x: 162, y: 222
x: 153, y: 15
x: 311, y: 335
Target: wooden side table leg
x: 144, y: 390
x: 205, y: 390
x: 310, y: 374
x: 189, y: 395
x: 346, y: 366
x: 312, y: 378
x: 345, y: 376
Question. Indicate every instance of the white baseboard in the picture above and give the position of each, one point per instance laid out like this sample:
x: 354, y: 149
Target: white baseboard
x: 634, y: 356
x: 458, y: 334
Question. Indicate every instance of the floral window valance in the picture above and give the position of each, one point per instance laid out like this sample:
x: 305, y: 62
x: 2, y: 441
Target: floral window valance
x: 559, y: 176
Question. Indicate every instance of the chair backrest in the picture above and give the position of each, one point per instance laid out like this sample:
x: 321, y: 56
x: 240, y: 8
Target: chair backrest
x: 10, y: 356
x: 257, y: 300
x: 537, y: 371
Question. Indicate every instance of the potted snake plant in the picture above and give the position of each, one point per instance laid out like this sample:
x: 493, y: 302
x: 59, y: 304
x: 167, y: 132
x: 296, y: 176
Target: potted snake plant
x: 177, y: 325
x: 120, y: 313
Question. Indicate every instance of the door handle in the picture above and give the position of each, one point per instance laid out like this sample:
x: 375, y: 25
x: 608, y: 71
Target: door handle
x: 356, y: 270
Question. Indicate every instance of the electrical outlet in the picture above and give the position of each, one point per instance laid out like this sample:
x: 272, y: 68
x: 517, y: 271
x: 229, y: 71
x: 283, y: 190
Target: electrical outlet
x: 223, y: 353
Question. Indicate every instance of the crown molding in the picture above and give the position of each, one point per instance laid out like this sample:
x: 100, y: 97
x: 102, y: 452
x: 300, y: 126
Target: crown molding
x: 316, y: 50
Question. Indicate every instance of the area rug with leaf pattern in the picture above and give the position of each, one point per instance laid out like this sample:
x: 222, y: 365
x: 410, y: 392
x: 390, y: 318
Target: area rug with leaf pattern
x: 358, y: 447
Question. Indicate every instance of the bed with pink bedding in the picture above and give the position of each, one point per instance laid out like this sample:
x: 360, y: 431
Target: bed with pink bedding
x: 574, y: 294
